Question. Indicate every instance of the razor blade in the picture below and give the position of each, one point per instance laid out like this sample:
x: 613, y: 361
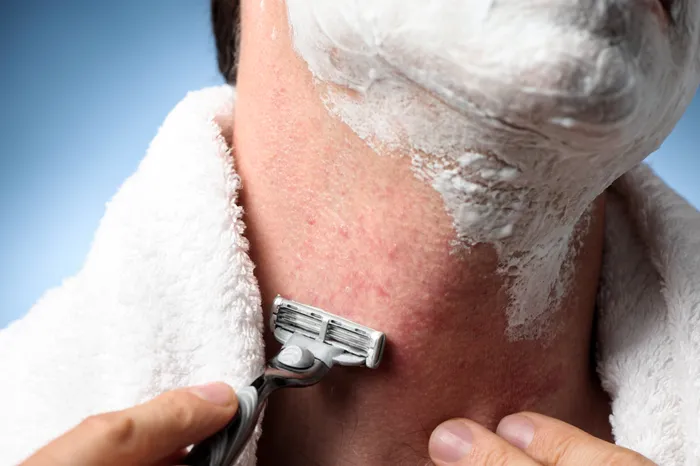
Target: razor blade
x: 292, y: 322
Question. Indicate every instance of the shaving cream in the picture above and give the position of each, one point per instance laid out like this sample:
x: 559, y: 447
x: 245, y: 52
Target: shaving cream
x: 519, y: 113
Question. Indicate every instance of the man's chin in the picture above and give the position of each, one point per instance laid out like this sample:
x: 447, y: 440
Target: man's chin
x: 551, y: 65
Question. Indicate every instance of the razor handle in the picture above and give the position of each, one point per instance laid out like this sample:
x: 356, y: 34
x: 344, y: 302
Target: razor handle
x: 225, y: 447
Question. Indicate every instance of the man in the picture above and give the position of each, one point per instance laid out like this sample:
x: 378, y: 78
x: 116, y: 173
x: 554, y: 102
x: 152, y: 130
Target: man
x: 435, y: 170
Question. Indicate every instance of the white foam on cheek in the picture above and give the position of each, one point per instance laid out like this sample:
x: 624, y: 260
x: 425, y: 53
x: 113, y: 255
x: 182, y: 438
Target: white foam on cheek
x: 514, y: 111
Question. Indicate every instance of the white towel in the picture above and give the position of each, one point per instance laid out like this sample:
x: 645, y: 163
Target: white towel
x: 167, y: 298
x: 649, y: 311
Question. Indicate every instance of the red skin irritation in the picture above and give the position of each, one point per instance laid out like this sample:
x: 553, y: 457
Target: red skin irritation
x: 381, y: 291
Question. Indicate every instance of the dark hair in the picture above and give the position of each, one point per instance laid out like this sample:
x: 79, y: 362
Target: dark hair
x: 225, y: 21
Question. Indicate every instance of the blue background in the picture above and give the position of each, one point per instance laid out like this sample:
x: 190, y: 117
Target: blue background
x: 84, y: 85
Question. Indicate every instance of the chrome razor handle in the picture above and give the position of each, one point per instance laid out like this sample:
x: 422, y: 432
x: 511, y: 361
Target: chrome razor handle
x: 224, y: 447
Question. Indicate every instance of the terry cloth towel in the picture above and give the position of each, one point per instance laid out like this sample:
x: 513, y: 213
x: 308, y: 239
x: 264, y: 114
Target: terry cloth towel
x: 167, y: 298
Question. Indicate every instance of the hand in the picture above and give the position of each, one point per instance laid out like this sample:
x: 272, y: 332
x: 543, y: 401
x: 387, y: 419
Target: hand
x: 153, y: 433
x: 525, y: 439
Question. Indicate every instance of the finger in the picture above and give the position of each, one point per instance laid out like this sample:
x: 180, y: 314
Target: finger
x: 145, y: 433
x: 553, y: 442
x: 462, y: 442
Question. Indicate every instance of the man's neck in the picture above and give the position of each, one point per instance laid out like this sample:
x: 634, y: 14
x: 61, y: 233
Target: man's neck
x: 334, y: 225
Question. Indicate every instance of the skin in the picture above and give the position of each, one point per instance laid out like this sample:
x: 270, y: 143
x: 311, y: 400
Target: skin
x: 525, y: 439
x: 334, y: 225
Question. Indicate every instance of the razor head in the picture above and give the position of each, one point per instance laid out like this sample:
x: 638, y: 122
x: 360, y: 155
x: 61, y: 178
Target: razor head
x: 361, y: 346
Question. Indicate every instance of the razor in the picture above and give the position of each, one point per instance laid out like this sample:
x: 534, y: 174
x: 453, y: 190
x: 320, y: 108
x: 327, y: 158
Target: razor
x: 313, y: 342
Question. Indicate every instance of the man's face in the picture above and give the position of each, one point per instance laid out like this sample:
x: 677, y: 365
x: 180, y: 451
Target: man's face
x: 614, y: 74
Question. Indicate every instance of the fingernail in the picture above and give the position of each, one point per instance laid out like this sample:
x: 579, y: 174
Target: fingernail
x: 450, y: 442
x: 218, y: 393
x: 517, y: 430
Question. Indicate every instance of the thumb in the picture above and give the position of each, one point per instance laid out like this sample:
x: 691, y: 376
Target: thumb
x: 551, y: 442
x: 145, y: 433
